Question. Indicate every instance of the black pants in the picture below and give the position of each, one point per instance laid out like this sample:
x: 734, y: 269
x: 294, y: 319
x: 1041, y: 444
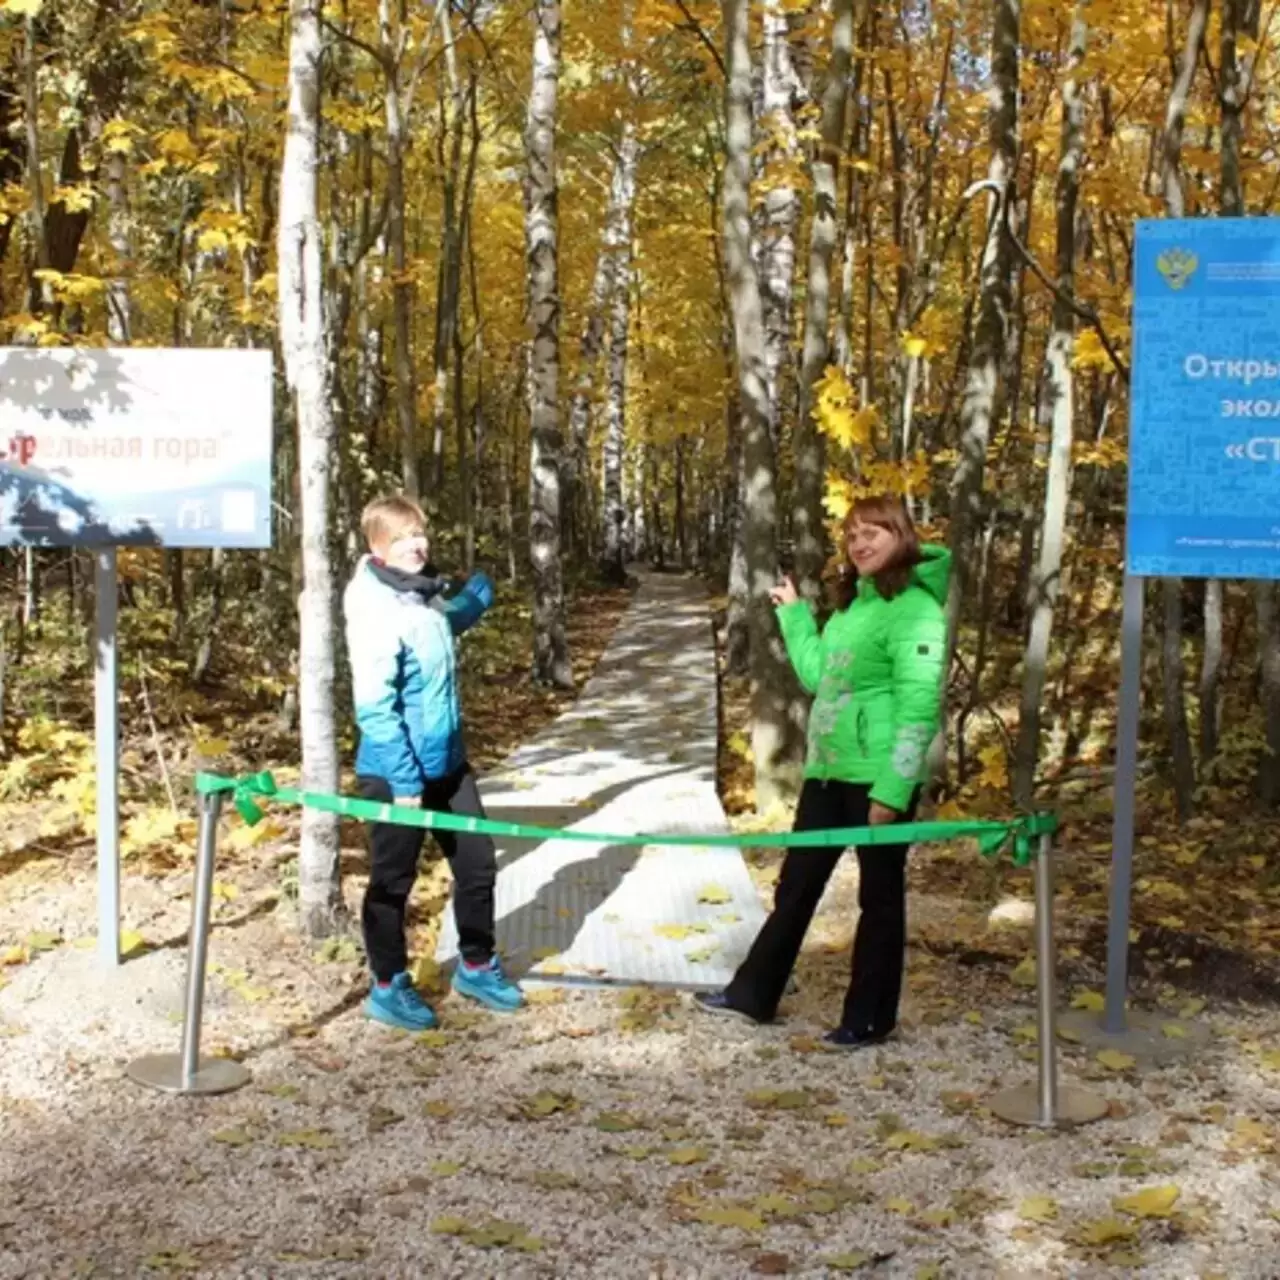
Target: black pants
x: 394, y: 867
x: 871, y: 1003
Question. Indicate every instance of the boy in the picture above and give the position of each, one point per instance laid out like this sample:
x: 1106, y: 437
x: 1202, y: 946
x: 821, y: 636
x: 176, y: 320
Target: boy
x: 400, y: 634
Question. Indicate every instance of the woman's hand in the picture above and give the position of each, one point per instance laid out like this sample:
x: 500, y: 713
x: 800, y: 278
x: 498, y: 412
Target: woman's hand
x: 784, y: 593
x: 881, y: 815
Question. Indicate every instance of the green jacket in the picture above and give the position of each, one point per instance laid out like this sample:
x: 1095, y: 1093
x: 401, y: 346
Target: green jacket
x: 876, y: 675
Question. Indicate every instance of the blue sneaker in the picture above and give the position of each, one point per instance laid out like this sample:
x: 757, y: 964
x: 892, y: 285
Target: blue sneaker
x: 399, y: 1005
x: 487, y: 984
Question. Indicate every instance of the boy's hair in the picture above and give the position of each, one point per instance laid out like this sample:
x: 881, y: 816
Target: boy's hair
x: 388, y: 518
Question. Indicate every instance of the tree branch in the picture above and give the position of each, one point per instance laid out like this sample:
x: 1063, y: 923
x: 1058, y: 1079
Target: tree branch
x: 1082, y: 312
x: 695, y: 28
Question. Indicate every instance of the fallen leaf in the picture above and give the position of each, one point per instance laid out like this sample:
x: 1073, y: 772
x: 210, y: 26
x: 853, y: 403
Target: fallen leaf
x: 1150, y: 1202
x: 702, y: 956
x: 899, y: 1205
x: 1024, y: 975
x: 445, y: 1168
x: 714, y: 895
x: 438, y: 1109
x: 1038, y: 1209
x: 434, y: 1039
x: 771, y: 1264
x: 805, y: 1044
x: 1106, y: 1231
x: 907, y: 1140
x: 547, y: 1103
x: 381, y: 1118
x: 930, y: 1271
x: 1114, y: 1060
x: 679, y: 932
x: 616, y: 1122
x: 1174, y: 1031
x: 42, y: 941
x: 172, y: 1260
x: 729, y: 1216
x: 311, y: 1139
x: 1089, y: 1001
x: 450, y: 1226
x: 937, y: 1218
x: 233, y: 1137
x: 686, y: 1155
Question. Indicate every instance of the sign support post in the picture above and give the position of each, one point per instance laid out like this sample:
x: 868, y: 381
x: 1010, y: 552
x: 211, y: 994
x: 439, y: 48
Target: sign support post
x: 107, y: 733
x: 131, y: 447
x: 1126, y: 786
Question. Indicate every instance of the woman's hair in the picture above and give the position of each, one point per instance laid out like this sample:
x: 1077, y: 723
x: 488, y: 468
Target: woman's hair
x: 889, y: 513
x: 386, y: 519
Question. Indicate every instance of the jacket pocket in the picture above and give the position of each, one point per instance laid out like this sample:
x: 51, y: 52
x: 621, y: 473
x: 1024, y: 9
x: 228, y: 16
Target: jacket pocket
x: 860, y: 731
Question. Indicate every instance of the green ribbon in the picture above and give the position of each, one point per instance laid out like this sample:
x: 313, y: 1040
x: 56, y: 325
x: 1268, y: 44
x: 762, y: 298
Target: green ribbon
x: 1018, y: 835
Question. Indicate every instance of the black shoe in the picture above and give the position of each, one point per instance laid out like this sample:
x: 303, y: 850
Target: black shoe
x: 846, y: 1040
x: 718, y: 1002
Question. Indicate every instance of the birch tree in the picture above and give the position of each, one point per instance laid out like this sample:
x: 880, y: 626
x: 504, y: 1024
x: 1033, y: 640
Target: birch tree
x: 1057, y: 419
x: 808, y: 451
x: 1173, y: 664
x: 991, y: 331
x: 774, y: 730
x: 307, y: 371
x: 550, y: 643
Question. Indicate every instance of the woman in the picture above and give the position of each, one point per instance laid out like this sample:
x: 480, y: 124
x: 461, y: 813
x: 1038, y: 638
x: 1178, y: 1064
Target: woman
x: 876, y: 675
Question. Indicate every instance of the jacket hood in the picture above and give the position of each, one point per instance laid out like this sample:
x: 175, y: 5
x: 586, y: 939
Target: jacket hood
x: 933, y: 572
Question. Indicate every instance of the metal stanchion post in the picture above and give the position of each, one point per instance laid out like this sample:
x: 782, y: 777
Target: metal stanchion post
x: 187, y: 1072
x: 1046, y: 1104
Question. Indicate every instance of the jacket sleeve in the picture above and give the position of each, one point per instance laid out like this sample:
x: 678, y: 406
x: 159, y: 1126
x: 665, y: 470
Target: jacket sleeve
x: 917, y: 651
x: 470, y: 604
x: 803, y: 640
x: 375, y: 665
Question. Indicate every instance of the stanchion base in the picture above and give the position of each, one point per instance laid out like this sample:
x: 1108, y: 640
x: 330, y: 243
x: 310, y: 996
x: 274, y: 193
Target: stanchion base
x: 163, y: 1071
x: 1075, y: 1106
x: 1146, y: 1035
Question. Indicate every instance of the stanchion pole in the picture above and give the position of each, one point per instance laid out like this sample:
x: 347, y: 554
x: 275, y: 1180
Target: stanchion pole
x: 186, y: 1071
x: 1047, y: 1105
x: 1046, y: 995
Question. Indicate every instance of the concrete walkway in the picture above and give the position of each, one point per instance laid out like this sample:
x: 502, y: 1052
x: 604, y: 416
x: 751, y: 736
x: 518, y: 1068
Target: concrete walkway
x: 636, y: 753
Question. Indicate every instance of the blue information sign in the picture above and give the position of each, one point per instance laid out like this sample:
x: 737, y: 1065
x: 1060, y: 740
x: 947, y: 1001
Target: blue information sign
x: 1204, y: 435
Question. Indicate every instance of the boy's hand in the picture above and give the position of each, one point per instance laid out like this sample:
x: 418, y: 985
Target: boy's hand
x: 785, y: 592
x: 881, y: 815
x: 409, y: 802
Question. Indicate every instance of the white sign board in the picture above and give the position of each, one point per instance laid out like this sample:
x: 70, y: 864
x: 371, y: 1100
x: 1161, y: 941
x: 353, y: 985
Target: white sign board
x: 135, y: 447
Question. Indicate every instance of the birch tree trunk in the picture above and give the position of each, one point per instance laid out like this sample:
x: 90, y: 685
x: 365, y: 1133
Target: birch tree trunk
x: 808, y: 452
x: 612, y: 565
x: 307, y: 371
x: 774, y: 732
x: 994, y: 301
x: 1057, y: 418
x: 550, y: 643
x: 781, y: 212
x: 1174, y: 666
x: 615, y: 244
x: 397, y: 246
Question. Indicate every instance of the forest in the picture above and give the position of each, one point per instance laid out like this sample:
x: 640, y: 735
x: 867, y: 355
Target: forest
x: 656, y: 282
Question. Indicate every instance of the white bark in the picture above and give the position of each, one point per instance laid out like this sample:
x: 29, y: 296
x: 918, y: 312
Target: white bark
x: 615, y: 245
x: 781, y: 215
x: 302, y: 337
x: 401, y: 284
x: 1057, y: 416
x: 550, y: 644
x: 774, y: 734
x: 809, y: 453
x: 994, y: 301
x: 616, y: 424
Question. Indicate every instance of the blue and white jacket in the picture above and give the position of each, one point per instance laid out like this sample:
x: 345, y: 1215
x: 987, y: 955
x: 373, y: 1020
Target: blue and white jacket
x: 404, y: 677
